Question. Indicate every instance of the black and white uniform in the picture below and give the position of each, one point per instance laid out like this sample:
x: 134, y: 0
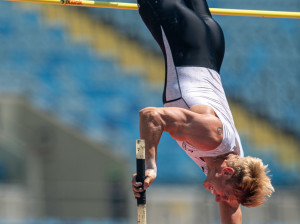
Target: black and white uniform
x: 193, y: 47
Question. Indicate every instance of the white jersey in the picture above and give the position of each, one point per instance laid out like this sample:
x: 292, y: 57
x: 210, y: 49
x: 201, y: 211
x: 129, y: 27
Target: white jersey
x: 191, y: 86
x: 188, y: 86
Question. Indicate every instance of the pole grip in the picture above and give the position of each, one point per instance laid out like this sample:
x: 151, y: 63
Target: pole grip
x: 140, y: 170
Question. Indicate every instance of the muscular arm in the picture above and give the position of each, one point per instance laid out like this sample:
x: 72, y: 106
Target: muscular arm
x: 198, y: 129
x: 230, y: 213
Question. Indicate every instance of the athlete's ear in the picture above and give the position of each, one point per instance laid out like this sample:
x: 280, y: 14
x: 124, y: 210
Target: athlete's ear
x: 228, y: 171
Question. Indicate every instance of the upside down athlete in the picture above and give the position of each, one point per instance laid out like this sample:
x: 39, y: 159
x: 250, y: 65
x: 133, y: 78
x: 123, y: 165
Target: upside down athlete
x: 196, y: 112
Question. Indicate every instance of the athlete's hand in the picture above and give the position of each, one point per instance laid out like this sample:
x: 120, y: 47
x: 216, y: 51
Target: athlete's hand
x: 150, y: 175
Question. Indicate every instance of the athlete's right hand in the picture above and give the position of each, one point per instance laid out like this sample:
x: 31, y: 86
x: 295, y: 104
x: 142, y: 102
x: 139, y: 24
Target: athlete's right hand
x: 150, y: 175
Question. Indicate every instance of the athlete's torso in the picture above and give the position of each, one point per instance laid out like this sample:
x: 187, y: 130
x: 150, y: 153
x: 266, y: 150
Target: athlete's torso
x: 192, y: 86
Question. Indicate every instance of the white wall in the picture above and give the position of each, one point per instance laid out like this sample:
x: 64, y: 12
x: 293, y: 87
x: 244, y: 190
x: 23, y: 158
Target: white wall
x: 194, y: 204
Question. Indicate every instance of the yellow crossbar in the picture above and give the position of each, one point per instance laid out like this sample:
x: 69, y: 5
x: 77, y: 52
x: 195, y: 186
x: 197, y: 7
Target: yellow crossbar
x: 132, y: 6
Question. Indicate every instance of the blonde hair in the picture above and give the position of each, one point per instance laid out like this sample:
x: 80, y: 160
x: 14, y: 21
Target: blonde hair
x: 251, y: 182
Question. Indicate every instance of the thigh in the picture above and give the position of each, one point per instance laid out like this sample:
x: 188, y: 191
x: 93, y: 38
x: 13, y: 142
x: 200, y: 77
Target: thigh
x: 194, y: 40
x: 200, y: 7
x: 151, y: 19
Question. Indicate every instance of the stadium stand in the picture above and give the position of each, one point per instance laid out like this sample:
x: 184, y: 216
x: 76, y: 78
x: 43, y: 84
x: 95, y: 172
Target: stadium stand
x: 92, y: 92
x: 99, y: 95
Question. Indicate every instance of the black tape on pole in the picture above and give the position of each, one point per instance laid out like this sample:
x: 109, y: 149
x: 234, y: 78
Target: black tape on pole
x: 140, y: 168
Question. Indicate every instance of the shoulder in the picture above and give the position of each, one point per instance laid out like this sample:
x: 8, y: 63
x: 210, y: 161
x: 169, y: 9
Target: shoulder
x: 203, y: 109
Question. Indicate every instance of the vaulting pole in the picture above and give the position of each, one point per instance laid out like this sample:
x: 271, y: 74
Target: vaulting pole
x: 140, y: 170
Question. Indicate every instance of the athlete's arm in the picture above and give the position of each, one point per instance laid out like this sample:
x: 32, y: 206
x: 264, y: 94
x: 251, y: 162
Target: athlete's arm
x: 200, y: 130
x: 230, y: 213
x: 198, y: 126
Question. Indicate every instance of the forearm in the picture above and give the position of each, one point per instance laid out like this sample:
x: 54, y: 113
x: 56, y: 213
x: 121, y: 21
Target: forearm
x: 151, y: 129
x: 230, y: 213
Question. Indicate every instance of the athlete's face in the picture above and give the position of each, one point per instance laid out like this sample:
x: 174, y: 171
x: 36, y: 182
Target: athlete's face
x: 216, y: 184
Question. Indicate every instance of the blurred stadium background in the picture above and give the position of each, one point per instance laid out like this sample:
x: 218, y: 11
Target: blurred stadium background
x: 72, y: 81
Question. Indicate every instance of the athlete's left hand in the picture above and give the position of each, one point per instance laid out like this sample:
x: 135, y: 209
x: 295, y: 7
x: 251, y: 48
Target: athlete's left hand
x: 150, y: 175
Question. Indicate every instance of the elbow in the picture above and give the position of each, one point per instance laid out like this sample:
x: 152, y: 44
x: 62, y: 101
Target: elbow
x: 150, y: 116
x: 148, y: 113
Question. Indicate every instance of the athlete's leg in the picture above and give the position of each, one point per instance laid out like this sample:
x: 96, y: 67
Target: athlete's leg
x: 217, y: 42
x: 194, y: 37
x: 151, y: 19
x: 200, y: 7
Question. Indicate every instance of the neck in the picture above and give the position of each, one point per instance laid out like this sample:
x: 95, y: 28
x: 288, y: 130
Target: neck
x: 216, y: 162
